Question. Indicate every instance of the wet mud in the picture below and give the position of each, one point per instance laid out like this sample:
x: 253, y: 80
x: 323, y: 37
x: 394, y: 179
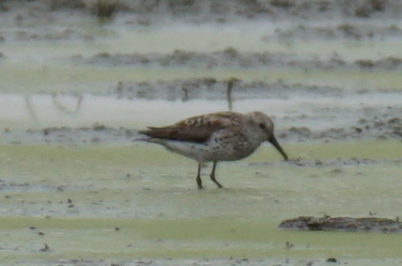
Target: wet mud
x: 226, y: 11
x: 317, y: 123
x: 99, y: 134
x: 343, y: 224
x: 235, y: 59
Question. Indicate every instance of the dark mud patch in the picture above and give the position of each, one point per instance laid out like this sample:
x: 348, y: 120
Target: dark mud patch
x: 338, y: 164
x: 232, y: 58
x: 382, y: 126
x: 387, y: 126
x: 213, y: 89
x: 334, y: 162
x: 301, y: 112
x: 232, y: 261
x: 12, y: 185
x: 387, y: 63
x: 97, y: 134
x: 229, y: 57
x: 52, y: 35
x: 373, y: 130
x: 356, y: 32
x: 144, y: 12
x: 374, y: 123
x: 79, y: 136
x: 343, y: 224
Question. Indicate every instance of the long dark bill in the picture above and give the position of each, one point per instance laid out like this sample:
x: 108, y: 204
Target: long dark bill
x: 275, y: 143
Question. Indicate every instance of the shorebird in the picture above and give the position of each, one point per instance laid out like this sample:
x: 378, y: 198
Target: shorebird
x: 224, y: 136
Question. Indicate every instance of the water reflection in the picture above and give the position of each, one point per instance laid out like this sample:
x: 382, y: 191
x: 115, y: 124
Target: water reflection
x: 58, y: 104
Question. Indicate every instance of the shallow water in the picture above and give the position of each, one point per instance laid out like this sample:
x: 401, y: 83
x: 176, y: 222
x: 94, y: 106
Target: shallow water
x: 38, y: 111
x: 150, y: 195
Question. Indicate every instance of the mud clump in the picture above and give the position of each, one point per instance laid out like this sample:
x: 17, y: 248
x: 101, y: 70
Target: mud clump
x: 381, y: 126
x: 333, y: 260
x: 343, y: 224
x: 384, y: 63
x: 367, y: 8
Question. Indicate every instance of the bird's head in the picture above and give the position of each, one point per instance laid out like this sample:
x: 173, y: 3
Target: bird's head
x: 264, y: 127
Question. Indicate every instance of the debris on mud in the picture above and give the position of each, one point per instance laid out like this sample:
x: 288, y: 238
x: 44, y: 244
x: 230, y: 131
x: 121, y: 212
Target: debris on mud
x: 213, y: 89
x: 344, y: 224
x: 232, y: 58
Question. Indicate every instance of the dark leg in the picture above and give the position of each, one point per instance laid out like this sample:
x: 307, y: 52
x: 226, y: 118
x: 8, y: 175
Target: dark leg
x: 212, y: 176
x: 199, y: 182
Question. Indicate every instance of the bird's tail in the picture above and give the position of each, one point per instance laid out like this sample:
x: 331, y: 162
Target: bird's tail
x: 141, y: 138
x: 146, y: 139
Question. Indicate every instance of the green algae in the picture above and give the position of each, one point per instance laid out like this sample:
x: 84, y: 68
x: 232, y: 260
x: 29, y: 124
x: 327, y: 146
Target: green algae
x: 115, y: 201
x: 80, y: 79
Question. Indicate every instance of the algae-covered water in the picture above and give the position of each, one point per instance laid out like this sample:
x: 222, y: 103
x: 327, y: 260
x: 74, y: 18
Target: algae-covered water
x: 135, y: 201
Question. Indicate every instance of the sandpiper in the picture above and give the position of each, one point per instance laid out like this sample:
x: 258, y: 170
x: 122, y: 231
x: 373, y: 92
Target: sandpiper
x: 224, y: 136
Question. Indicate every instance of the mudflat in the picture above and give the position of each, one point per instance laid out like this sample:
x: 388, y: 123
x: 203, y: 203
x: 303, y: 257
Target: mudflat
x: 76, y: 188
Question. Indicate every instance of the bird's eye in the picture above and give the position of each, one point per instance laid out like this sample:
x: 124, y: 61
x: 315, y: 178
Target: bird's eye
x: 262, y: 126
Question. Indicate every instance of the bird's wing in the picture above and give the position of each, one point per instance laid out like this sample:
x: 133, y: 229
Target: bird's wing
x: 195, y: 129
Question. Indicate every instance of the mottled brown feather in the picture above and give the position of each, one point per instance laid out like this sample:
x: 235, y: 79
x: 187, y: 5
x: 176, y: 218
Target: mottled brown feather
x: 195, y: 129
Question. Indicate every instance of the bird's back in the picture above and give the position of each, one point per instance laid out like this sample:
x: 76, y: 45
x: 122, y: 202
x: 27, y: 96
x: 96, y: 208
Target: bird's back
x: 196, y: 129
